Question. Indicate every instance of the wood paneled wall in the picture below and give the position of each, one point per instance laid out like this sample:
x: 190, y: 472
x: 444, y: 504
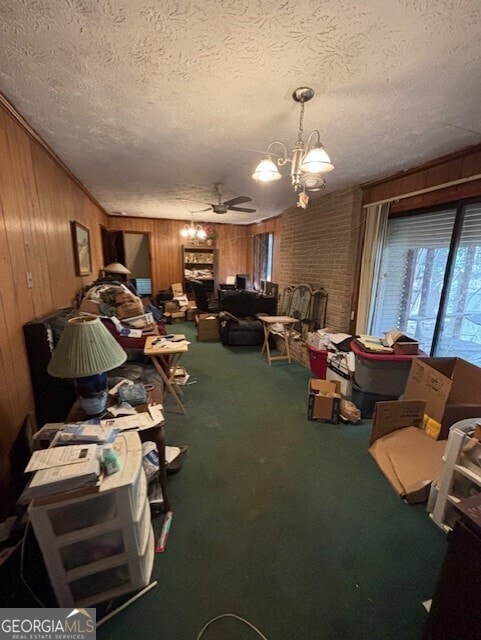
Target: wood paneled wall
x: 459, y: 166
x: 166, y: 242
x: 38, y: 198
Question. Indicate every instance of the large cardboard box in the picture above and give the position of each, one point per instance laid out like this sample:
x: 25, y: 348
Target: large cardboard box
x: 407, y: 456
x: 208, y: 327
x: 324, y: 400
x: 451, y: 388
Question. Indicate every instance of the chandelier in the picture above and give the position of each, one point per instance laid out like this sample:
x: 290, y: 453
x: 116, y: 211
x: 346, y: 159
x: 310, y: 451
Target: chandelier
x: 308, y: 161
x: 193, y: 232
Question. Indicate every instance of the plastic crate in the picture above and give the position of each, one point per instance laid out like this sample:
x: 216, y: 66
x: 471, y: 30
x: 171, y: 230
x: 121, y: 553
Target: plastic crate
x: 318, y: 361
x: 366, y: 401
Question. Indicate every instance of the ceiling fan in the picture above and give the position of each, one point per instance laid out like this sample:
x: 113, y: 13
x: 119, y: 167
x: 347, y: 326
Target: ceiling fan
x: 229, y: 205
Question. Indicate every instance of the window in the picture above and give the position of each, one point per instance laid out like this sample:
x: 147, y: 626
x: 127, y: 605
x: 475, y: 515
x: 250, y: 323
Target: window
x: 429, y: 281
x: 263, y: 257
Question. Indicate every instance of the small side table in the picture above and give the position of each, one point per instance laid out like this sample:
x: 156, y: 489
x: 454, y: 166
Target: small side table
x: 287, y: 322
x: 157, y: 433
x: 166, y: 360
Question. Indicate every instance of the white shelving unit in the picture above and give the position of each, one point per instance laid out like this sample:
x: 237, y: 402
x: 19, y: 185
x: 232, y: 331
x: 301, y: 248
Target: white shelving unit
x: 460, y: 478
x: 98, y: 544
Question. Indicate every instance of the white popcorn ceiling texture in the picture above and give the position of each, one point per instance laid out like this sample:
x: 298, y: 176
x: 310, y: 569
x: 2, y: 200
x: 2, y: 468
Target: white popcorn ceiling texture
x: 150, y: 101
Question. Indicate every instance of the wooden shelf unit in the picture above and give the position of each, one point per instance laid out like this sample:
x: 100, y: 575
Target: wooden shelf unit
x: 200, y: 262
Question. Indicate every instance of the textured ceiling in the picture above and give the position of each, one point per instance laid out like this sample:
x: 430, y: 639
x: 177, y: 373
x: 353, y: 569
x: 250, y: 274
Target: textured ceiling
x: 148, y: 101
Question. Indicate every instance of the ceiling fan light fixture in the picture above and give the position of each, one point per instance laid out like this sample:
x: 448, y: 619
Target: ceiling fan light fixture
x: 266, y: 171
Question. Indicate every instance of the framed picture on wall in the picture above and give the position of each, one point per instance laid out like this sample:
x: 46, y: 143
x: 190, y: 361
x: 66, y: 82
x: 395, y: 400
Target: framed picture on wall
x: 81, y: 249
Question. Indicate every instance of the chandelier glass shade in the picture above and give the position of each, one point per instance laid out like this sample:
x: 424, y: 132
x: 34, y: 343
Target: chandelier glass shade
x: 308, y: 161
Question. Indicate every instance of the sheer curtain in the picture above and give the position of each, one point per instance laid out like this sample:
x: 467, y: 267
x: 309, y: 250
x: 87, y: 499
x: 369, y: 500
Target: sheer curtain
x: 374, y: 234
x: 261, y: 252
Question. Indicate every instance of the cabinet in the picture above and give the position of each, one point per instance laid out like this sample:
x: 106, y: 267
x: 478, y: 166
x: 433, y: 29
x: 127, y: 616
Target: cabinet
x: 98, y: 542
x: 461, y: 475
x: 454, y: 613
x: 199, y: 262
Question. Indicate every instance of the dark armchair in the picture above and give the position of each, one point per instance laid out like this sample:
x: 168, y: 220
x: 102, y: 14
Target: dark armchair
x: 202, y: 300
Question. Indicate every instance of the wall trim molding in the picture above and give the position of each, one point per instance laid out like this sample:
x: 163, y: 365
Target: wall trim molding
x: 419, y: 192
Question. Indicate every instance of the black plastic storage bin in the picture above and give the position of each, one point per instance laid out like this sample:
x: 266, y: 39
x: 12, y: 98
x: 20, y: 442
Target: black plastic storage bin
x: 366, y: 401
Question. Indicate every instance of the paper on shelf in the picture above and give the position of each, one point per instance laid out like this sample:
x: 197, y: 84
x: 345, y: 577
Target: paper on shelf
x: 62, y: 478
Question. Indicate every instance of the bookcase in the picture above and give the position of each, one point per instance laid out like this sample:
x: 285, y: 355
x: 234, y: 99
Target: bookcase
x: 199, y: 262
x: 98, y: 542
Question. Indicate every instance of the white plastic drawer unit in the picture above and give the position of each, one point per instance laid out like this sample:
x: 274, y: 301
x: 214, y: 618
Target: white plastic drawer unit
x: 98, y: 544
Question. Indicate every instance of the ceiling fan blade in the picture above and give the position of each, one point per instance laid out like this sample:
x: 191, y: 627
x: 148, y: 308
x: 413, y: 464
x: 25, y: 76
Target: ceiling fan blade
x: 238, y: 200
x: 188, y: 200
x: 243, y: 209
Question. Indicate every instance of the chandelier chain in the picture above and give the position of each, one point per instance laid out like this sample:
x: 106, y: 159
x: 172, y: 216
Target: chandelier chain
x: 301, y: 122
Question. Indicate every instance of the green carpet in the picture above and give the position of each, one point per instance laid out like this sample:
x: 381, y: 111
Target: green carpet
x: 285, y: 522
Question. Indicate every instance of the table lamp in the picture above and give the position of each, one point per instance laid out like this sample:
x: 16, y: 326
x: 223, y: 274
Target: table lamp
x: 85, y: 352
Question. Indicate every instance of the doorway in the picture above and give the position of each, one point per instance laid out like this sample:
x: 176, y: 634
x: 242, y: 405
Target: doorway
x: 132, y: 249
x: 138, y: 261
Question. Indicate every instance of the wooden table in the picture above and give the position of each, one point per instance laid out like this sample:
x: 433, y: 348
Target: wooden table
x: 268, y: 322
x: 156, y: 433
x: 166, y: 360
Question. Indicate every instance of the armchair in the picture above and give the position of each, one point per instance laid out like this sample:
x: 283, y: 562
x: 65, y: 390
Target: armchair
x: 202, y: 300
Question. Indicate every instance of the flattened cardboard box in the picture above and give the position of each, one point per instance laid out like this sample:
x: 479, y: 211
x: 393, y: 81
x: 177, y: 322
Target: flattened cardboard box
x: 321, y: 407
x: 409, y: 459
x: 451, y: 388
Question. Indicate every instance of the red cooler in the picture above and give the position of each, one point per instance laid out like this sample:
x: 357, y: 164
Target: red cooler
x: 318, y: 360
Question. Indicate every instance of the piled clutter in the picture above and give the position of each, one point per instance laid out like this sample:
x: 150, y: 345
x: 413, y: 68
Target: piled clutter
x: 175, y: 310
x: 332, y: 361
x: 382, y: 367
x: 116, y: 301
x: 461, y: 475
x: 409, y: 436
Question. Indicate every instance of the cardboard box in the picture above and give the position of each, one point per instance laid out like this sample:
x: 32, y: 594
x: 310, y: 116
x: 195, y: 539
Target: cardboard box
x: 409, y: 458
x: 400, y: 343
x: 177, y: 289
x: 324, y: 400
x: 208, y: 327
x: 174, y: 316
x: 451, y: 388
x: 171, y: 305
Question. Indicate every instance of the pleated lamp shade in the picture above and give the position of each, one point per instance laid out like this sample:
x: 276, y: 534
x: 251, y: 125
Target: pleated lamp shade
x: 85, y: 348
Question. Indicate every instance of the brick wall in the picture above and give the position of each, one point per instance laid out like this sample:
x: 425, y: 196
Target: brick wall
x: 319, y: 247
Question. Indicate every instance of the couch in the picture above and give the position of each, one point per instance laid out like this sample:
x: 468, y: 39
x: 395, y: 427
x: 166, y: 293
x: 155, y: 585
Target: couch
x: 54, y: 397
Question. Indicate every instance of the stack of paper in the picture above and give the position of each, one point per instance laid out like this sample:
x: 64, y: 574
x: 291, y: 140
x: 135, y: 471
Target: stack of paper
x: 60, y: 469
